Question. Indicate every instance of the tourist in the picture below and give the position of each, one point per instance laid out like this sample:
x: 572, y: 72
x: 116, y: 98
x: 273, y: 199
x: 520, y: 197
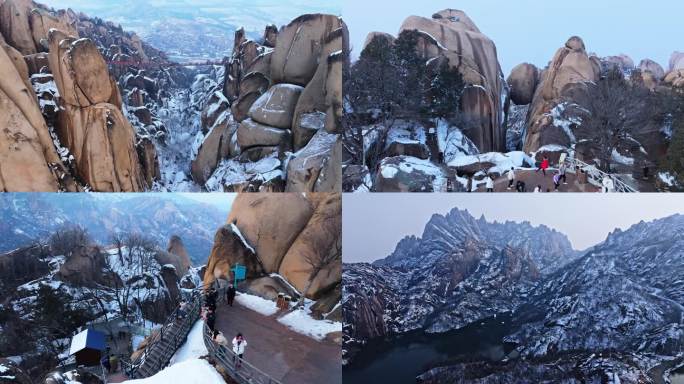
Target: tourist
x: 556, y: 181
x: 239, y: 345
x: 563, y: 173
x: 608, y: 184
x: 511, y: 178
x: 220, y: 339
x: 469, y: 184
x: 230, y: 295
x: 538, y: 189
x: 544, y: 165
x: 210, y: 300
x: 104, y: 361
x: 180, y: 314
x: 210, y: 319
x: 520, y: 186
x: 489, y: 183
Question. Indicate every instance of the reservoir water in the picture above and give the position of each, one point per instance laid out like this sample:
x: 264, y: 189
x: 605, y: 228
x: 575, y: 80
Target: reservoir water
x: 400, y: 359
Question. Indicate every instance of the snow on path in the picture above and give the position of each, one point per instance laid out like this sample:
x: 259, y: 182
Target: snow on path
x: 194, y: 371
x: 257, y: 304
x: 301, y: 322
x: 194, y: 346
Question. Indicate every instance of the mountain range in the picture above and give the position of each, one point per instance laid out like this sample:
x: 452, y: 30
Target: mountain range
x: 33, y: 216
x: 614, y: 310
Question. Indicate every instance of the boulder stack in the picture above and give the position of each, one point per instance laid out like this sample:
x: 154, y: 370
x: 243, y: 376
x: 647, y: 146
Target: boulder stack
x: 90, y: 123
x: 283, y: 94
x: 308, y: 225
x: 569, y: 70
x: 453, y: 35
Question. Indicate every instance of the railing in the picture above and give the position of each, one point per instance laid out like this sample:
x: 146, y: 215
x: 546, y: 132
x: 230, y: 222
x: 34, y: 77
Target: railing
x: 159, y: 345
x: 226, y: 358
x: 596, y: 176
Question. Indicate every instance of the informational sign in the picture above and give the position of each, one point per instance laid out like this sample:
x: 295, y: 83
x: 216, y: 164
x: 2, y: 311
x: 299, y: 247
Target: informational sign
x: 240, y: 273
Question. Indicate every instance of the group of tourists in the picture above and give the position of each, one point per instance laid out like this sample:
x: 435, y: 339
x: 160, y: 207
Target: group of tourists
x: 239, y: 343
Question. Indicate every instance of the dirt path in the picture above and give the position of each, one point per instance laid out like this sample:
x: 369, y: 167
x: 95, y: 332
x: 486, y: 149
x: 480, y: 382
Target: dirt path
x: 285, y: 355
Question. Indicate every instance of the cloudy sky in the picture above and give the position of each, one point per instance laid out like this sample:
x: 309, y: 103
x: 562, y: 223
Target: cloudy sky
x: 372, y: 224
x: 532, y: 30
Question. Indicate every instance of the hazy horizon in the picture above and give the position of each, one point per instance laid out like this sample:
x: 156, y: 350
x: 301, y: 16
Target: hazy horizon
x: 532, y: 30
x: 372, y: 224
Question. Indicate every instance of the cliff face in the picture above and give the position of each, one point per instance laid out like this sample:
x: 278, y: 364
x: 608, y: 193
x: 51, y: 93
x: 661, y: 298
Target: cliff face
x: 73, y: 136
x: 282, y: 234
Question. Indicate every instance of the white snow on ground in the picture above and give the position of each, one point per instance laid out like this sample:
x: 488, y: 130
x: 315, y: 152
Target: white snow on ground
x: 502, y: 161
x: 257, y: 304
x: 667, y: 178
x: 3, y: 369
x: 300, y: 321
x: 405, y: 133
x: 195, y: 371
x: 410, y: 164
x: 194, y: 346
x: 452, y: 142
x: 231, y: 172
x: 621, y: 159
x: 565, y: 123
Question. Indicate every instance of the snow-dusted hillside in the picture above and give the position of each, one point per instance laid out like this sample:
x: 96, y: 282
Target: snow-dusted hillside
x: 30, y: 217
x: 614, y: 314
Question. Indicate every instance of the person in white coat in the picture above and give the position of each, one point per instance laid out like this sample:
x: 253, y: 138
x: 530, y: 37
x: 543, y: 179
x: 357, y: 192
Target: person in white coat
x: 608, y: 184
x: 239, y: 345
x: 489, y: 183
x: 511, y: 178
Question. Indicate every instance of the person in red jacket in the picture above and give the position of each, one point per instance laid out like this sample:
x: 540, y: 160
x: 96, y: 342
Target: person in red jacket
x: 544, y: 165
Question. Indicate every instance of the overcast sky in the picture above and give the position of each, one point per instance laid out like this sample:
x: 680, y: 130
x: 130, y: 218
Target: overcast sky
x: 372, y: 224
x: 532, y: 30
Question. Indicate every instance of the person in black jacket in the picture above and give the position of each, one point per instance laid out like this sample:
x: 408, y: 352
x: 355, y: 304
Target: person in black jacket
x: 230, y: 295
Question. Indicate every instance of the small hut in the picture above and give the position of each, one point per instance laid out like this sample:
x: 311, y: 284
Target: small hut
x: 87, y: 347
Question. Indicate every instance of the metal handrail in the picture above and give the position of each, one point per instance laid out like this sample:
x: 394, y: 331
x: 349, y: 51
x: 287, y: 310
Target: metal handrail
x: 596, y: 175
x: 246, y: 373
x: 182, y: 330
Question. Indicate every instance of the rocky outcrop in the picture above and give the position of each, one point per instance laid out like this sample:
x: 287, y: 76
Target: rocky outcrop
x: 675, y: 76
x: 175, y: 255
x: 287, y: 233
x: 83, y: 267
x: 300, y: 46
x: 215, y: 147
x: 523, y: 82
x: 453, y: 35
x: 316, y: 167
x: 622, y: 62
x: 320, y: 237
x: 677, y: 61
x: 569, y: 69
x: 90, y: 124
x: 648, y: 65
x: 28, y: 158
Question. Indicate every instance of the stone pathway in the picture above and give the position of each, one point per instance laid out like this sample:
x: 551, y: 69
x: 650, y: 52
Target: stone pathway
x: 283, y: 354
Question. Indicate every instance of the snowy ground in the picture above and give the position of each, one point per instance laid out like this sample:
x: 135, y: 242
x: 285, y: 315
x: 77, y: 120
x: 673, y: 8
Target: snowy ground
x: 186, y: 365
x: 299, y: 321
x: 257, y: 304
x: 194, y: 346
x: 192, y: 371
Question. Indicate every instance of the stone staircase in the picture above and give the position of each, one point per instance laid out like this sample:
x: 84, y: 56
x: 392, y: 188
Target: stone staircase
x: 166, y: 341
